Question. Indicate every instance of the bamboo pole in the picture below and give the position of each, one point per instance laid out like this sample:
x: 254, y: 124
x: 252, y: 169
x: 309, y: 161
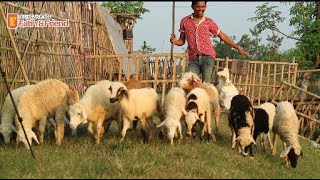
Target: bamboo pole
x: 14, y: 46
x: 156, y: 71
x: 173, y: 22
x: 260, y: 83
x: 164, y: 78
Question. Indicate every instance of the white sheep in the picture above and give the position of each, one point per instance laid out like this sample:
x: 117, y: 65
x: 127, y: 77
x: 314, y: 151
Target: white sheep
x: 135, y: 104
x: 191, y: 80
x: 173, y: 103
x: 226, y: 89
x: 263, y: 122
x: 48, y: 98
x: 241, y: 123
x: 8, y: 112
x: 286, y: 125
x: 198, y: 110
x: 95, y: 108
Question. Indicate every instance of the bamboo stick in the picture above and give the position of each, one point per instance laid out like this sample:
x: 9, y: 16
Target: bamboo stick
x: 164, y: 78
x: 260, y: 83
x: 14, y: 45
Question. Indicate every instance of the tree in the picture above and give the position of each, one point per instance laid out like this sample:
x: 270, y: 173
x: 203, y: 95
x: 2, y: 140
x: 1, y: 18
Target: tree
x: 305, y: 19
x: 130, y: 7
x: 223, y: 50
x: 145, y: 48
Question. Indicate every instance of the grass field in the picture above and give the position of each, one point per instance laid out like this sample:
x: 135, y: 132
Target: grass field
x: 80, y: 157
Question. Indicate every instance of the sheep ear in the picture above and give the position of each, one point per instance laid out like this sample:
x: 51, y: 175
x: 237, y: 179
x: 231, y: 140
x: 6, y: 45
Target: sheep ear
x: 13, y: 128
x: 34, y: 136
x: 285, y: 152
x: 184, y: 111
x: 196, y: 79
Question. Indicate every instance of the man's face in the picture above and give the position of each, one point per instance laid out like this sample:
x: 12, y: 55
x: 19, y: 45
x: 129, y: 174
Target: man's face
x: 199, y: 8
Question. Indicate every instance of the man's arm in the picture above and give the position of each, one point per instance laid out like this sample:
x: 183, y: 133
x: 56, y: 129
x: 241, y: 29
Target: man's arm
x: 224, y: 37
x: 180, y: 41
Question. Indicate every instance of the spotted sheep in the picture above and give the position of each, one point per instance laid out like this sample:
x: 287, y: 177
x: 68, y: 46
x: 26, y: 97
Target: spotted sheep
x: 286, y: 126
x: 241, y: 123
x: 191, y: 80
x: 198, y: 111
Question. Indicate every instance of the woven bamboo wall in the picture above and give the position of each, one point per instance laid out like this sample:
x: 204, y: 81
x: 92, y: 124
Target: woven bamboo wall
x: 53, y: 52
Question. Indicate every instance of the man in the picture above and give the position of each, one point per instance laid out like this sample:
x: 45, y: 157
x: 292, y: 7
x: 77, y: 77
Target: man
x: 196, y: 29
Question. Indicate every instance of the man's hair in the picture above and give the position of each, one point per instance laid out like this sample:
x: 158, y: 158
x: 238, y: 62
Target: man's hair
x: 195, y: 2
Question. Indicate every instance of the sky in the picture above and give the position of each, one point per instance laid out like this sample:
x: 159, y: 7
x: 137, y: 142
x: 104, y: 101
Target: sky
x: 155, y: 27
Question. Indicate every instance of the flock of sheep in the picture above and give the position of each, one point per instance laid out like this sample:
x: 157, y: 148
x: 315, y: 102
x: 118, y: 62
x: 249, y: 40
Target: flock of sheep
x: 193, y: 101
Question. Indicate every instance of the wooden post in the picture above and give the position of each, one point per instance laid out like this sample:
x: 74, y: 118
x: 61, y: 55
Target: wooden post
x: 14, y: 45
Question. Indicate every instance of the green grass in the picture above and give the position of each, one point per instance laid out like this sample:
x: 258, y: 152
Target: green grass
x: 80, y: 157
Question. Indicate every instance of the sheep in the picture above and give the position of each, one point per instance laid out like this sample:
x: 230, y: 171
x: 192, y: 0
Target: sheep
x: 241, y: 123
x: 94, y: 107
x: 8, y: 112
x: 226, y: 89
x: 48, y: 98
x: 198, y: 110
x: 135, y: 104
x: 191, y: 80
x: 286, y: 125
x: 134, y: 84
x: 263, y: 121
x: 173, y: 103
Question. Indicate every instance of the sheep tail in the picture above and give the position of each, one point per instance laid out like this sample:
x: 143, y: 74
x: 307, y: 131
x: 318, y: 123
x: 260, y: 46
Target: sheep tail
x: 161, y: 124
x: 74, y: 95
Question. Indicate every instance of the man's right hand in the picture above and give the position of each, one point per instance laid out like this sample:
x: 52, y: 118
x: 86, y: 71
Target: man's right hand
x: 173, y: 39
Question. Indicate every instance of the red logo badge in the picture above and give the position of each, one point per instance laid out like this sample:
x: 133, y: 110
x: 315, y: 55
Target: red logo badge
x: 12, y: 20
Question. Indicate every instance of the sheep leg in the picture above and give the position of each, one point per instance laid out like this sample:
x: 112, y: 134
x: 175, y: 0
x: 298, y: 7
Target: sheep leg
x: 107, y: 125
x: 180, y: 131
x: 274, y: 144
x: 216, y: 114
x: 42, y: 127
x: 144, y: 130
x: 233, y: 137
x: 211, y: 136
x: 100, y: 130
x: 60, y: 131
x: 269, y: 139
x: 90, y: 127
x: 125, y: 127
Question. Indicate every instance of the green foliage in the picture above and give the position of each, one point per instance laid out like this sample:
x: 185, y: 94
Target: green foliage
x: 134, y: 7
x: 223, y: 50
x: 145, y: 48
x: 307, y: 29
x: 267, y: 17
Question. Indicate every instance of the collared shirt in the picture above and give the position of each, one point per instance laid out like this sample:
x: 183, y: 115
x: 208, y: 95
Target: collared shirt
x: 198, y: 36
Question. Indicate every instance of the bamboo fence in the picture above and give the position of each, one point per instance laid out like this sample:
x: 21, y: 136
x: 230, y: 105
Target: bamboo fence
x: 83, y: 54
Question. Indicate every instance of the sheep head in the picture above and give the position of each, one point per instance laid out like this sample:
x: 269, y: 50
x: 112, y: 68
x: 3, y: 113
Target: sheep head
x: 191, y: 116
x: 77, y: 115
x: 189, y: 81
x: 118, y: 91
x: 244, y: 140
x: 293, y: 154
x: 223, y: 77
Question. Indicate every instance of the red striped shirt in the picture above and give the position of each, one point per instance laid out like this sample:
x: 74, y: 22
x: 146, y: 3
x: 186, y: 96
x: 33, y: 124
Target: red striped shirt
x: 198, y: 36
